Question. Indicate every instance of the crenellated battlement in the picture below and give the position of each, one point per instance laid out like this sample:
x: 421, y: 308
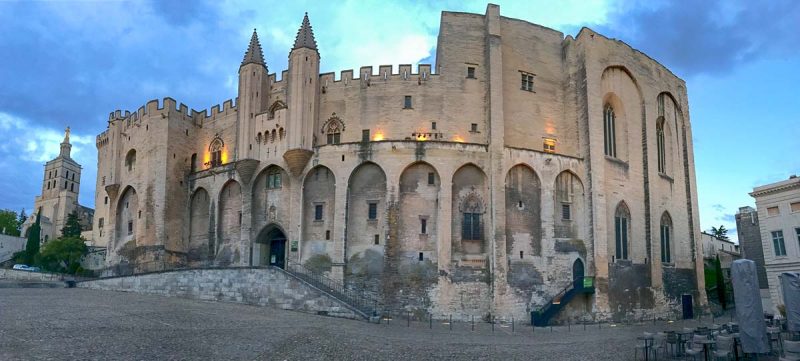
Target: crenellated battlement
x: 405, y: 72
x: 171, y: 106
x: 366, y: 75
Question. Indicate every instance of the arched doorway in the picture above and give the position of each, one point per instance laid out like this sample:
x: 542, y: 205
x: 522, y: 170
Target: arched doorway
x: 272, y: 247
x: 577, y: 273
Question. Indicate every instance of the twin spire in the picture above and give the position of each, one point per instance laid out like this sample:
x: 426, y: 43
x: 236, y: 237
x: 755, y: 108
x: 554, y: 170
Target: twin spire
x: 305, y: 36
x: 253, y: 54
x: 305, y: 39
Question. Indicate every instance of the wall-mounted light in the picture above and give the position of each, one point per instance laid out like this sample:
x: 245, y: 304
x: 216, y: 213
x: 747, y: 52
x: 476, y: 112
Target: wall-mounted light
x: 549, y: 145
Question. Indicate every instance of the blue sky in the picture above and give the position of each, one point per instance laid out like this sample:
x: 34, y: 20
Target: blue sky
x: 71, y: 63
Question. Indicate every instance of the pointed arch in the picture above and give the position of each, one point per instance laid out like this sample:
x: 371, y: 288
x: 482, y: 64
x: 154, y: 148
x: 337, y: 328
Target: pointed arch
x: 130, y: 160
x: 128, y: 216
x: 333, y: 128
x: 319, y: 206
x: 230, y: 218
x: 366, y: 206
x: 215, y: 148
x: 622, y: 231
x: 418, y: 226
x: 669, y: 118
x: 523, y: 195
x: 271, y: 196
x: 276, y: 105
x: 468, y: 219
x: 199, y: 248
x: 666, y: 233
x: 569, y: 202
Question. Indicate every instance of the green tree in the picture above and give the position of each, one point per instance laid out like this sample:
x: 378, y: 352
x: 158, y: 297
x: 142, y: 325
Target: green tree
x: 32, y: 245
x: 721, y: 291
x: 63, y: 255
x: 720, y: 233
x: 8, y: 222
x: 72, y: 228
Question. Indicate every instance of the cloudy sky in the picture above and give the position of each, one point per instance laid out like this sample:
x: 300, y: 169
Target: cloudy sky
x: 71, y: 63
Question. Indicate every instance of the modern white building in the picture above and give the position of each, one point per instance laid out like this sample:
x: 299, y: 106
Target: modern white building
x: 778, y: 207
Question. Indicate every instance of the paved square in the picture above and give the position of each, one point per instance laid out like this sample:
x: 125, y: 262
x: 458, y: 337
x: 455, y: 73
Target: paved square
x: 80, y: 324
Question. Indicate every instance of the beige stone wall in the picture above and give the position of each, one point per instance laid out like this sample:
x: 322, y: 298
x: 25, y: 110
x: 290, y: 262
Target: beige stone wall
x: 486, y: 155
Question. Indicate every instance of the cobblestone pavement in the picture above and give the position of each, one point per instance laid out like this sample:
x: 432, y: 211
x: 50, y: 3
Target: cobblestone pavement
x: 81, y: 324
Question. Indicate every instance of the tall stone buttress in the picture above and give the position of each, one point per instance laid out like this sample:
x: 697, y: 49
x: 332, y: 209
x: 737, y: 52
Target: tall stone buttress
x: 303, y: 98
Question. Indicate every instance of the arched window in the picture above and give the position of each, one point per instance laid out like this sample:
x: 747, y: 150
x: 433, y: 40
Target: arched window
x: 622, y: 227
x: 272, y: 137
x: 274, y: 178
x: 277, y: 105
x: 130, y: 160
x: 662, y: 154
x: 333, y: 129
x: 666, y: 238
x: 282, y: 133
x: 216, y: 151
x: 258, y: 138
x: 471, y: 211
x: 609, y: 131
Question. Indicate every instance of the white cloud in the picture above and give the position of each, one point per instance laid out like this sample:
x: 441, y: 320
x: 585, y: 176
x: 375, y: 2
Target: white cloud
x: 40, y: 144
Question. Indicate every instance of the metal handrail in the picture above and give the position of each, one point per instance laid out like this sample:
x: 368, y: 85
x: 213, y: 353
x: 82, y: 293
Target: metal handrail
x: 359, y: 300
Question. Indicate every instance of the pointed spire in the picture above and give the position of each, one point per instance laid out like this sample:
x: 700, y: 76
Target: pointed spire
x: 254, y: 54
x: 305, y: 36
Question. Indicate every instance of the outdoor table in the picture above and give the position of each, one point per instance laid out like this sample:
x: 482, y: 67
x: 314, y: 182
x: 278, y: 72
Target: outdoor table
x: 648, y: 342
x: 706, y: 346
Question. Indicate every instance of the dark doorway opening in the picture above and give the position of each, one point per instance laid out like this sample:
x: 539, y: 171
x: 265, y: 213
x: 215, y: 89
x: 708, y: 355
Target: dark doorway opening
x: 273, y: 244
x: 577, y: 273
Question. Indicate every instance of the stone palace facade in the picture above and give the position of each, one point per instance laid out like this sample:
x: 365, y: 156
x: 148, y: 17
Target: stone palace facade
x: 524, y: 160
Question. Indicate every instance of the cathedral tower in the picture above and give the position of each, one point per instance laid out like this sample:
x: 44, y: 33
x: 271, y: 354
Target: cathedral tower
x: 303, y: 97
x: 253, y: 96
x: 60, y: 188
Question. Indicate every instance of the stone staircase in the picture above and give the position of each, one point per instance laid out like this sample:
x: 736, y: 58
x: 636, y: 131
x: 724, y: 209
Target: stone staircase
x: 542, y: 316
x: 363, y: 305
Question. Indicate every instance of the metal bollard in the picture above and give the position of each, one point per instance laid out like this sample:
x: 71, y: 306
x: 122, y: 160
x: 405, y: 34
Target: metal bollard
x: 408, y: 320
x: 451, y: 322
x: 569, y: 326
x: 430, y: 321
x: 473, y: 322
x: 512, y: 325
x: 491, y: 319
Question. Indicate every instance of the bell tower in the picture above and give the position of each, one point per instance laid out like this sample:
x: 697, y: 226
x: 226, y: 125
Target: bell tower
x: 303, y: 98
x: 253, y: 96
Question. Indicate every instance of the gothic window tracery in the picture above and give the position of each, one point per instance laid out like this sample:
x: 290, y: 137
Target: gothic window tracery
x: 215, y: 148
x: 277, y: 105
x: 471, y: 211
x: 333, y: 129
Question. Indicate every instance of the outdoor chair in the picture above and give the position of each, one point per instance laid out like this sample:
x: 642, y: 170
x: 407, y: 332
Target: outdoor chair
x: 695, y: 347
x: 724, y: 348
x: 643, y: 346
x: 672, y: 343
x: 791, y: 351
x: 659, y: 344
